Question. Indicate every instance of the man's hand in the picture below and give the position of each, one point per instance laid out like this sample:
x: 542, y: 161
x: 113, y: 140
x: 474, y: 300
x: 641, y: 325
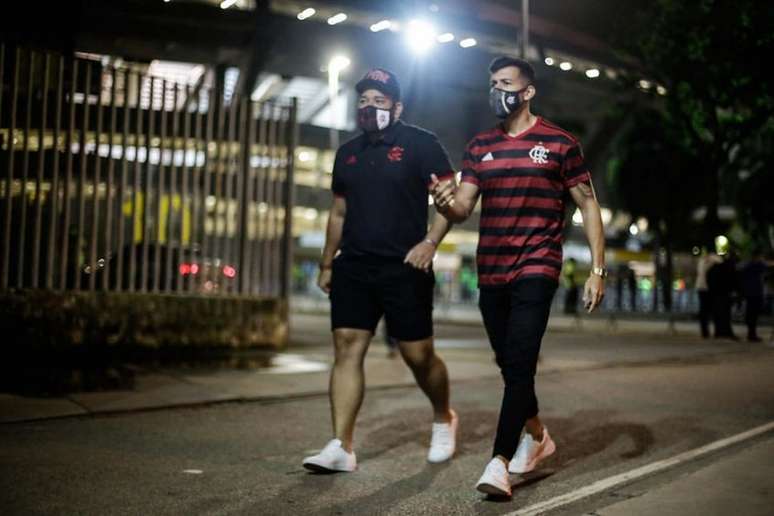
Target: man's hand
x: 421, y: 256
x: 324, y: 279
x: 593, y: 292
x: 442, y: 192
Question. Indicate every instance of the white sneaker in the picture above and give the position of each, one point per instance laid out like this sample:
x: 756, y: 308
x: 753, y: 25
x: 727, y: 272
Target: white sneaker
x: 495, y: 480
x: 530, y: 452
x: 332, y: 458
x: 444, y: 440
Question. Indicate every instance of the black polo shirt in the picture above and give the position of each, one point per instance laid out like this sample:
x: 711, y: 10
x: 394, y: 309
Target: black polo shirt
x: 385, y: 184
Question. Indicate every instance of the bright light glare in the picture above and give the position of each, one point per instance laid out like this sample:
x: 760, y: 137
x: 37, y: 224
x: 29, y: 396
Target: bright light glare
x: 337, y: 18
x: 550, y: 61
x: 565, y: 65
x: 607, y: 215
x: 338, y: 63
x: 577, y: 217
x: 306, y: 13
x: 381, y: 25
x: 420, y: 36
x: 225, y: 4
x: 593, y: 73
x: 468, y: 42
x: 634, y: 230
x: 446, y: 37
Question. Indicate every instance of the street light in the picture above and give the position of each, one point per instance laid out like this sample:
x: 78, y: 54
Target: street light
x: 381, y: 25
x: 565, y: 66
x: 306, y: 13
x: 468, y: 42
x: 337, y: 18
x: 592, y: 73
x: 420, y: 36
x: 446, y: 37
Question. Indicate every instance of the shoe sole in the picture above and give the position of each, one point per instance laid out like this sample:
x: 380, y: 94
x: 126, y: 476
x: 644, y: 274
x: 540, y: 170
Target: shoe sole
x: 492, y: 489
x: 532, y: 465
x: 316, y: 468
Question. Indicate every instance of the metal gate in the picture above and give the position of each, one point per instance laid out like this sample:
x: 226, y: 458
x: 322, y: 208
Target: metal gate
x: 114, y: 180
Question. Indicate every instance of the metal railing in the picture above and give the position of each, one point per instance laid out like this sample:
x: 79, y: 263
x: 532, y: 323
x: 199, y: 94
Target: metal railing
x: 114, y: 180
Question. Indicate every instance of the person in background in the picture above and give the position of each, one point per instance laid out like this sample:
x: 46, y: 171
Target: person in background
x: 703, y: 264
x: 752, y: 285
x: 722, y: 283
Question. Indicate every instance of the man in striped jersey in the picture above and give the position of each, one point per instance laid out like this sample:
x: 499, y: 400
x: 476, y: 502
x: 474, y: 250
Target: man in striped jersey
x: 523, y: 170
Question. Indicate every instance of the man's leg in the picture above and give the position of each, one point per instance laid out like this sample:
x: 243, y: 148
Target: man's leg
x: 347, y: 381
x: 430, y: 374
x: 533, y: 425
x: 517, y: 356
x: 355, y: 313
x: 407, y: 297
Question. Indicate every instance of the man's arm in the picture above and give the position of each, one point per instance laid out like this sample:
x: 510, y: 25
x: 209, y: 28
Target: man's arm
x: 421, y: 255
x: 584, y: 196
x: 456, y: 203
x: 332, y: 241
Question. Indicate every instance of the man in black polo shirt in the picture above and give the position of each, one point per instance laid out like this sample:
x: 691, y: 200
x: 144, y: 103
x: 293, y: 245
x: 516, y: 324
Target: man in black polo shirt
x: 378, y: 261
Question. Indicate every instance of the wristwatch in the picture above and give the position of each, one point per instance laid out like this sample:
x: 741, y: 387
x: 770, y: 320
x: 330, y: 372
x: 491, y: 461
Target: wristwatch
x: 599, y: 271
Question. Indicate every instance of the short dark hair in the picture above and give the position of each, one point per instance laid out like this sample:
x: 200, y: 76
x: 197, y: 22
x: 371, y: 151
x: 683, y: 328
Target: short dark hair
x: 524, y: 67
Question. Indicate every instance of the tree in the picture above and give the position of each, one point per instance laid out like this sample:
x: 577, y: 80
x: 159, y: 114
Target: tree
x: 653, y: 177
x: 710, y: 56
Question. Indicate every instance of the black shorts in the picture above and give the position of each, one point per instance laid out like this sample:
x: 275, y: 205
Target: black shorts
x: 364, y: 290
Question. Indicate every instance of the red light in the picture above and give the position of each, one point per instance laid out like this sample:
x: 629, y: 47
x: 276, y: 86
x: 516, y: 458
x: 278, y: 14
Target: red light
x: 229, y: 271
x: 185, y: 269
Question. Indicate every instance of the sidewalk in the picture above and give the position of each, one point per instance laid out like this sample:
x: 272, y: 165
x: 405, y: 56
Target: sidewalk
x: 739, y: 483
x: 599, y: 322
x: 304, y: 370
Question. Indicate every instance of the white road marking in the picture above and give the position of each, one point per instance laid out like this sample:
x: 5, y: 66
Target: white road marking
x: 629, y: 476
x: 193, y: 471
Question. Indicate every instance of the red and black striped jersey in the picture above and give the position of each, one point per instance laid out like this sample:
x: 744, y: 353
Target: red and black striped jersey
x: 523, y: 180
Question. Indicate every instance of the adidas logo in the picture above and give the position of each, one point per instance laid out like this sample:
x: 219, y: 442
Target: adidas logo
x: 487, y: 157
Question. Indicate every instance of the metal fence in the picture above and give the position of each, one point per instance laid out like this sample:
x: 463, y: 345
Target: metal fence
x: 114, y: 180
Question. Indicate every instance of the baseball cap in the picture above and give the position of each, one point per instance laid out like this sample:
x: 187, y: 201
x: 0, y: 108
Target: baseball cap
x: 382, y: 80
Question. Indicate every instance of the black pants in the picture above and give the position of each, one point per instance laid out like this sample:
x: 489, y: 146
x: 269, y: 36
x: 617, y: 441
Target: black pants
x: 721, y: 308
x: 515, y: 318
x: 705, y: 312
x: 754, y: 304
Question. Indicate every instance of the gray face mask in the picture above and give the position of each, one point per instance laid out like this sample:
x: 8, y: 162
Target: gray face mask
x: 503, y: 103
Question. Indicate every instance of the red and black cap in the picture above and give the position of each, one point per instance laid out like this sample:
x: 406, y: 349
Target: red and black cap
x: 382, y: 80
